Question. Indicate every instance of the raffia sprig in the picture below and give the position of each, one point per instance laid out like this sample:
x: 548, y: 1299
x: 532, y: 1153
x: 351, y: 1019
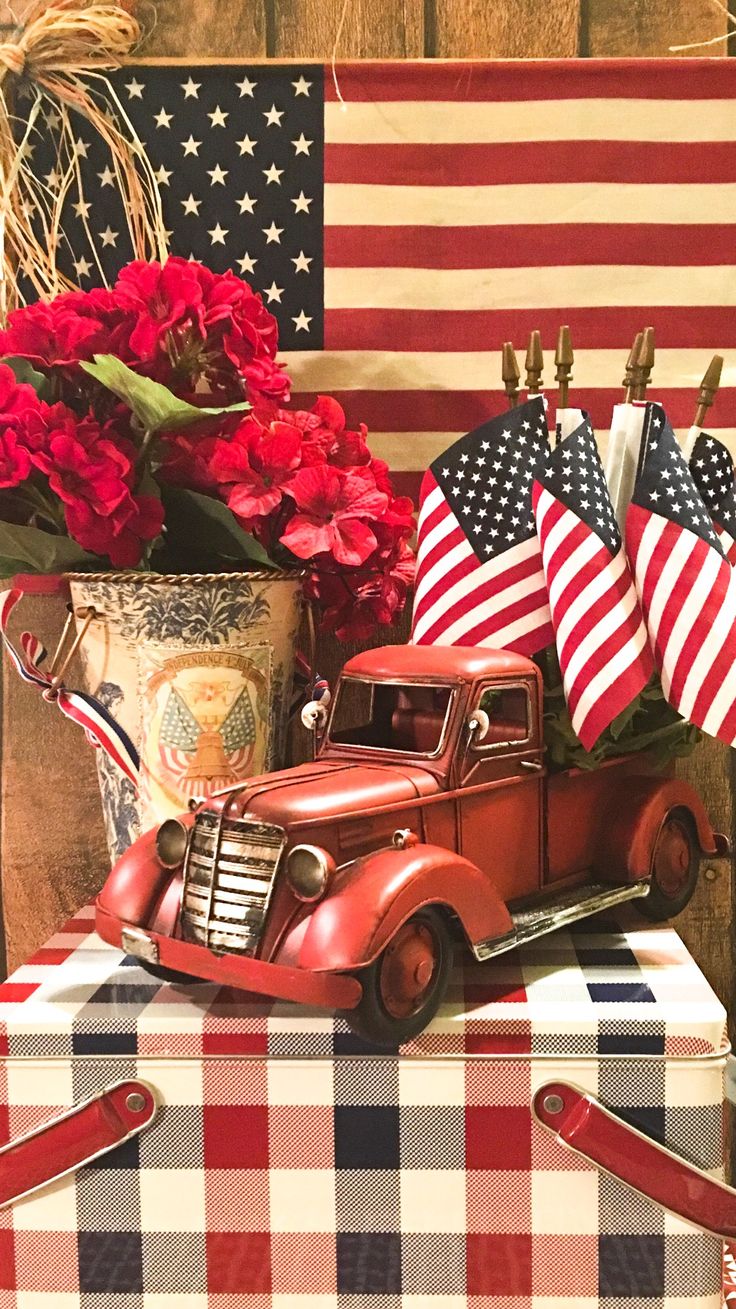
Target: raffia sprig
x: 62, y: 52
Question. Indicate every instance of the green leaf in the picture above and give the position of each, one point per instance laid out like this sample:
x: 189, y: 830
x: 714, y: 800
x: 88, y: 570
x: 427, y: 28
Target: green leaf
x: 210, y: 526
x: 622, y: 720
x: 30, y: 550
x: 25, y: 372
x: 155, y: 406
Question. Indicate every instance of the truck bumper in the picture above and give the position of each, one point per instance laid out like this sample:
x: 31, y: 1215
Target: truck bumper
x: 325, y: 990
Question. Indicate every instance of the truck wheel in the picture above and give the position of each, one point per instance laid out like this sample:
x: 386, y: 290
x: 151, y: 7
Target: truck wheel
x: 404, y: 987
x: 675, y: 862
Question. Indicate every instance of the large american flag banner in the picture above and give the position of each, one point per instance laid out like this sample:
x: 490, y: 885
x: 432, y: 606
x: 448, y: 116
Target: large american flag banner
x: 480, y: 578
x: 685, y: 584
x: 599, y: 630
x: 400, y: 237
x: 712, y: 468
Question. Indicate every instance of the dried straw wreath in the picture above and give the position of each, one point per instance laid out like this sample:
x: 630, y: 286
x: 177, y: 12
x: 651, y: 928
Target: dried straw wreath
x: 55, y: 64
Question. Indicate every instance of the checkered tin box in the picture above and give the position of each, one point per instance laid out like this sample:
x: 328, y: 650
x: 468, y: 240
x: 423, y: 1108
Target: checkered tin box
x: 291, y: 1167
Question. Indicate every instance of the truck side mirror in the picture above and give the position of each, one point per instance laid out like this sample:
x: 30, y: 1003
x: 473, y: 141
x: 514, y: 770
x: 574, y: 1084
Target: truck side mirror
x: 478, y: 725
x: 314, y: 716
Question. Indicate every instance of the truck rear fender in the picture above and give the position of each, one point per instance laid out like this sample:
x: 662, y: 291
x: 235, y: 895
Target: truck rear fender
x: 379, y: 891
x: 139, y: 891
x: 635, y: 815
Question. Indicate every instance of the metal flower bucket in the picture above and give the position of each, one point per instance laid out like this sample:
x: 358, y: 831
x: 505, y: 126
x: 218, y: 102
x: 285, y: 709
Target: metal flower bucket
x: 197, y: 669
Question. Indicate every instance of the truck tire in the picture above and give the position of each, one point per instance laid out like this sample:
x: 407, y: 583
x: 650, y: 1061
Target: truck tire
x: 675, y: 863
x: 404, y: 987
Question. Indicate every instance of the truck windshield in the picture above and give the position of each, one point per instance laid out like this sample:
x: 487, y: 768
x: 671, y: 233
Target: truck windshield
x: 386, y: 716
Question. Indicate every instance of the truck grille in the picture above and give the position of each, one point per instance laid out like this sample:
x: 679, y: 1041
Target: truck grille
x: 229, y: 872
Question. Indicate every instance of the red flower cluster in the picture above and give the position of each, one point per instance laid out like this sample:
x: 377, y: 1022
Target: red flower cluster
x: 187, y: 327
x: 48, y: 455
x: 308, y: 489
x: 301, y: 482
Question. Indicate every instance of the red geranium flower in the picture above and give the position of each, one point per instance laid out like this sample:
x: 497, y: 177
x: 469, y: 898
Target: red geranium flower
x: 161, y: 296
x: 120, y: 535
x: 81, y: 464
x: 15, y: 461
x: 333, y: 505
x: 257, y: 466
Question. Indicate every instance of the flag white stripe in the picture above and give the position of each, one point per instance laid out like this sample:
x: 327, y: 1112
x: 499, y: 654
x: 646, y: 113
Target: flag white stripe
x: 431, y: 581
x: 682, y: 627
x: 372, y: 204
x: 507, y: 596
x: 506, y: 636
x: 593, y: 592
x: 446, y: 526
x: 613, y: 669
x: 572, y: 566
x: 477, y: 370
x: 709, y: 651
x: 597, y: 636
x: 676, y: 560
x: 723, y: 700
x: 594, y: 119
x: 431, y: 502
x: 727, y: 541
x: 480, y: 576
x: 648, y: 544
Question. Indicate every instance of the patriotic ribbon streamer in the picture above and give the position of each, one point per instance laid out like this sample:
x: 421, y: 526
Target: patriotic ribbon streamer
x: 101, y: 729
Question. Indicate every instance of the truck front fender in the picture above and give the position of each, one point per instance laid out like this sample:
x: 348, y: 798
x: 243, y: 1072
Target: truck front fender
x: 378, y: 892
x: 634, y: 819
x: 136, y: 888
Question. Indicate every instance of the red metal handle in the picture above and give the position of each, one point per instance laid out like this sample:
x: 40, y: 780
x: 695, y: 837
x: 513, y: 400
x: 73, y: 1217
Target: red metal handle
x: 83, y: 1133
x: 580, y: 1122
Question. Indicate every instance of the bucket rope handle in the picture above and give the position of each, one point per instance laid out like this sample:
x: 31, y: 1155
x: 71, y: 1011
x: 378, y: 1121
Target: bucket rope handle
x: 98, y: 724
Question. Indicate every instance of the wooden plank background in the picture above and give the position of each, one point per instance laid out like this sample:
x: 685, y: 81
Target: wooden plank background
x: 51, y: 846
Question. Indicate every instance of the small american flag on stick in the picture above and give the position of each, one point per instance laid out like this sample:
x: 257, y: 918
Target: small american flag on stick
x: 685, y: 584
x: 599, y: 630
x: 480, y: 579
x: 712, y: 468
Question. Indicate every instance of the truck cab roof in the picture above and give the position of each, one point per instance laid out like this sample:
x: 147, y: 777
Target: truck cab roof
x: 442, y: 663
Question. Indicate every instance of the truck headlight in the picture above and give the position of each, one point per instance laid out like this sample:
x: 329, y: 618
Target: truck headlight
x: 308, y: 870
x: 171, y: 843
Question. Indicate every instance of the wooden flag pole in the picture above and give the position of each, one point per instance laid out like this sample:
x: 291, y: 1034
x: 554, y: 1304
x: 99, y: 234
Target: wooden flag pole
x: 708, y: 389
x: 628, y: 380
x: 510, y: 373
x: 534, y: 364
x: 564, y: 360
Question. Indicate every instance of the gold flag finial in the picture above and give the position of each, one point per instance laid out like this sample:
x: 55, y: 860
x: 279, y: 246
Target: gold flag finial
x: 564, y: 359
x: 510, y: 373
x: 534, y: 364
x: 628, y: 379
x: 708, y: 389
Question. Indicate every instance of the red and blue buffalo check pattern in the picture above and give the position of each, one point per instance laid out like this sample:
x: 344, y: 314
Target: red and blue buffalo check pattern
x: 291, y: 1168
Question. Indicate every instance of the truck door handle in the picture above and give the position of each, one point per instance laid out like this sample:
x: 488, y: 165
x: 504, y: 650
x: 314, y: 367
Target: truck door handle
x: 584, y: 1125
x: 532, y: 765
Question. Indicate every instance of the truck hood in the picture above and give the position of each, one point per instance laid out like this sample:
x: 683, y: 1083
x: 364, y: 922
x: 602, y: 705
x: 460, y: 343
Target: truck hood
x: 326, y: 790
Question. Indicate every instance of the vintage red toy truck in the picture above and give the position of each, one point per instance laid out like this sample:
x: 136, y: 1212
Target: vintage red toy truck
x: 428, y: 817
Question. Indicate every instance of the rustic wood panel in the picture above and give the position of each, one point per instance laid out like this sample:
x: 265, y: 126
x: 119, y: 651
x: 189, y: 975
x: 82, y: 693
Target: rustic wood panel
x: 504, y: 29
x: 54, y: 856
x: 707, y: 924
x: 619, y: 28
x: 375, y: 29
x: 177, y: 29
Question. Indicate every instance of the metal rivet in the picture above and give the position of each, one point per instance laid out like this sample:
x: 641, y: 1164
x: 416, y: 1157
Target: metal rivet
x: 710, y: 874
x: 553, y: 1104
x: 135, y: 1102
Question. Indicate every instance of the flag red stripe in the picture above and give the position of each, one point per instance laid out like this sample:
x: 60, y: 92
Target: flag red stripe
x: 485, y: 592
x: 524, y: 245
x: 660, y: 554
x: 697, y: 638
x: 620, y: 692
x: 498, y: 164
x: 473, y: 329
x: 462, y: 411
x: 545, y: 79
x: 596, y: 611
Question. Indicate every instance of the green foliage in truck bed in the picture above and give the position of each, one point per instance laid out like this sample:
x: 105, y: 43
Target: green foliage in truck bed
x: 648, y: 723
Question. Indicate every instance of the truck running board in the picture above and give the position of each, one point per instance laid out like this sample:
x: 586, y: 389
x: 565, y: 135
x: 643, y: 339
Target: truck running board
x: 567, y: 907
